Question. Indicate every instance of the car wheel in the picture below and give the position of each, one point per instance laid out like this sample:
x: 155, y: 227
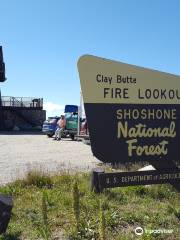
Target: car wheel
x: 50, y: 135
x: 72, y: 137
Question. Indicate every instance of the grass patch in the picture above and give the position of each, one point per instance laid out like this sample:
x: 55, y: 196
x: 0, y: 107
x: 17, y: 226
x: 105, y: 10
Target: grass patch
x: 38, y: 179
x: 63, y: 207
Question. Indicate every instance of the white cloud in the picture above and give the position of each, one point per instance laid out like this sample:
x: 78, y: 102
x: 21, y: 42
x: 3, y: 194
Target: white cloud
x: 53, y: 109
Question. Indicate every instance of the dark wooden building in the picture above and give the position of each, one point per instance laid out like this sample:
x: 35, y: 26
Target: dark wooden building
x: 22, y: 113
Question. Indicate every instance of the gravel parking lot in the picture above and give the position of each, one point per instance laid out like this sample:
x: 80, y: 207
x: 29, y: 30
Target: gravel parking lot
x: 21, y: 152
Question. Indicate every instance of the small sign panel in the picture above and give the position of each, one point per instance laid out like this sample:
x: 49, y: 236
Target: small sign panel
x: 123, y: 179
x: 133, y: 113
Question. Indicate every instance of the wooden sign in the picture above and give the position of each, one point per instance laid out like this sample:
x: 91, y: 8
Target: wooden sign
x: 133, y: 113
x: 122, y: 179
x: 101, y: 180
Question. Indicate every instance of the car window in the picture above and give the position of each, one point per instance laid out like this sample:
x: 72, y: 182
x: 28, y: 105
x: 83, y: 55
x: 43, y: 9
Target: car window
x: 52, y: 120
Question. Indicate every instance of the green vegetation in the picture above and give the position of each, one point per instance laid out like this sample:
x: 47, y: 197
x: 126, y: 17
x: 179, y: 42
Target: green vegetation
x: 63, y: 207
x: 102, y: 225
x: 76, y: 204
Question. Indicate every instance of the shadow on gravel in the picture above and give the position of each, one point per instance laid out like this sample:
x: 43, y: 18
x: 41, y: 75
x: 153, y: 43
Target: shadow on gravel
x: 21, y: 133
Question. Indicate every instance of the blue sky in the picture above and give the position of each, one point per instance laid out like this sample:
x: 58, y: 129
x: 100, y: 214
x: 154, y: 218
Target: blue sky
x: 43, y: 39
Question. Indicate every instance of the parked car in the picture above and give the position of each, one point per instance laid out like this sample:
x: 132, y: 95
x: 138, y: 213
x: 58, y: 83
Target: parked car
x: 50, y: 126
x: 71, y: 115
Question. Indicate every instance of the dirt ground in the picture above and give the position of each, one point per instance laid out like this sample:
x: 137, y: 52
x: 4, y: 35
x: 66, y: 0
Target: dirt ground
x: 21, y: 152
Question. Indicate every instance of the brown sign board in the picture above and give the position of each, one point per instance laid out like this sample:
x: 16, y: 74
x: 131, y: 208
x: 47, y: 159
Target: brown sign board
x: 133, y: 113
x: 122, y: 179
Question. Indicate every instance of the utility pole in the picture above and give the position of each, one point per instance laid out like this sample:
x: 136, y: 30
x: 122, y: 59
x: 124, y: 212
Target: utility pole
x: 2, y: 66
x: 6, y: 202
x: 2, y: 79
x: 79, y: 114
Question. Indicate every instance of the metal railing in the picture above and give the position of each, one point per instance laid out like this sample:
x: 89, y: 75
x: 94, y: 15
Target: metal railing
x: 29, y: 102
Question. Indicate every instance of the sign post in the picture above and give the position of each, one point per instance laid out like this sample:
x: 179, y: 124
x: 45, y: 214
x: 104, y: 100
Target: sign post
x: 133, y: 114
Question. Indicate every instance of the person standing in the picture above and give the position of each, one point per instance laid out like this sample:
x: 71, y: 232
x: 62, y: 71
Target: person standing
x: 61, y: 126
